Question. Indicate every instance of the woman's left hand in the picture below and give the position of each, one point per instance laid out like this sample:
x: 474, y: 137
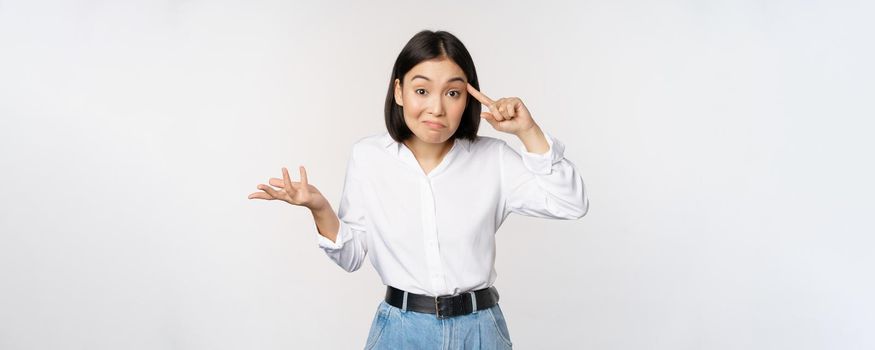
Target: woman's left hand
x: 507, y: 114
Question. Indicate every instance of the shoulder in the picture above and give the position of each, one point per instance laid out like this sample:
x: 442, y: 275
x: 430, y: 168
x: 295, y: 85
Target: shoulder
x: 380, y: 139
x: 371, y: 145
x: 487, y: 144
x: 487, y: 140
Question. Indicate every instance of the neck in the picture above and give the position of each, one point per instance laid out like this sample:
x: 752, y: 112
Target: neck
x: 429, y: 152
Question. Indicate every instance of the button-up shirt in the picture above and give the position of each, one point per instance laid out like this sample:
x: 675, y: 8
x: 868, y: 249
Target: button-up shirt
x: 434, y: 233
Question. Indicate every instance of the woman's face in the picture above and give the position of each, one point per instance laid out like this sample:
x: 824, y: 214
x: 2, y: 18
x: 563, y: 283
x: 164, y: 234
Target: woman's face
x: 433, y: 97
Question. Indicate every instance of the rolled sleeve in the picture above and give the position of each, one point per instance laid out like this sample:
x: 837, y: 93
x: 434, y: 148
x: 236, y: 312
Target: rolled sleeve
x: 542, y: 164
x: 350, y: 246
x: 327, y: 244
x: 545, y: 185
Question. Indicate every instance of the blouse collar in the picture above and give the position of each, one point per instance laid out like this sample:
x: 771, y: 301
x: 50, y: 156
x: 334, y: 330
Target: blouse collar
x: 390, y: 143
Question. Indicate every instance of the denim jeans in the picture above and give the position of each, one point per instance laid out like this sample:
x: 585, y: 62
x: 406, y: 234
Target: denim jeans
x: 393, y: 328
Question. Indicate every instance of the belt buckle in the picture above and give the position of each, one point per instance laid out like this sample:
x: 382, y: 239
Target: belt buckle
x: 437, y: 309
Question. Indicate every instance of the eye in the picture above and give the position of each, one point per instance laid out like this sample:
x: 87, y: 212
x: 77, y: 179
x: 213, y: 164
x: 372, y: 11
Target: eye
x: 456, y: 92
x: 417, y: 91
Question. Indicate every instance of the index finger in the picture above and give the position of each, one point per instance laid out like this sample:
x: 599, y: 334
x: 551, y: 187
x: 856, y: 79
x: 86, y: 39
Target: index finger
x: 480, y: 96
x: 287, y: 180
x: 304, y: 184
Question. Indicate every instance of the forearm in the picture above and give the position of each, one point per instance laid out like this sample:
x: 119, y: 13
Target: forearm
x: 327, y: 222
x: 348, y: 254
x: 534, y: 140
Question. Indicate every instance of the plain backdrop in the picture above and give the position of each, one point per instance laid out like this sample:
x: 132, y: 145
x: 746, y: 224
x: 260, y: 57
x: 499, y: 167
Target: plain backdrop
x: 726, y: 147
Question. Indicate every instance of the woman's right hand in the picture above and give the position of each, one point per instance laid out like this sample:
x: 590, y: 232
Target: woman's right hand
x: 297, y: 193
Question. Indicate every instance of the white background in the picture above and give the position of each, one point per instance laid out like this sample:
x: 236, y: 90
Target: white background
x: 726, y: 147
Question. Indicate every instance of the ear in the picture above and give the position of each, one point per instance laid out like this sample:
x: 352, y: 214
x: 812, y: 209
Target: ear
x: 398, y: 99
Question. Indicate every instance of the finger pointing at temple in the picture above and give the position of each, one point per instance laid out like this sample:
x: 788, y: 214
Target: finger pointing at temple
x: 480, y: 96
x: 486, y: 101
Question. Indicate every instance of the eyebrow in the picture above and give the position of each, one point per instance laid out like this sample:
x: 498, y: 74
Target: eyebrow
x: 448, y: 81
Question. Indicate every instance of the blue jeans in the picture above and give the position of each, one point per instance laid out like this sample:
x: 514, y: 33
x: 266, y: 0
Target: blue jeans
x: 393, y: 328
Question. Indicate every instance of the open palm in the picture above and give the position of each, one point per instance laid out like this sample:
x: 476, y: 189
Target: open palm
x: 296, y: 193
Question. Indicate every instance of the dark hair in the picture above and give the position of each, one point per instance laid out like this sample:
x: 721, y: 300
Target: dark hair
x: 424, y: 46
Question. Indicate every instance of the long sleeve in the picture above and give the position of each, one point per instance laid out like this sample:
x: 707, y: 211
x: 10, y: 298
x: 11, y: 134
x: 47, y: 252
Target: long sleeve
x: 351, y: 247
x: 542, y: 185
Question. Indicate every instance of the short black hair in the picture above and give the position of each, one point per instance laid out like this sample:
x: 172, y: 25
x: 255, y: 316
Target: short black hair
x: 423, y: 46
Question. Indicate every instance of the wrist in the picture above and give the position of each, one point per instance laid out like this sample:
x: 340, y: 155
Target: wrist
x: 528, y: 132
x: 321, y: 210
x: 534, y: 140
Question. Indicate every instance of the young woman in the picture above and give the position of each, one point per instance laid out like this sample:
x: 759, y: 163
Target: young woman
x: 425, y: 199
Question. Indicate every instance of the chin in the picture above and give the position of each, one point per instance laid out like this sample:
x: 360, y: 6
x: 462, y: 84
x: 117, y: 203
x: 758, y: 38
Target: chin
x: 433, y: 137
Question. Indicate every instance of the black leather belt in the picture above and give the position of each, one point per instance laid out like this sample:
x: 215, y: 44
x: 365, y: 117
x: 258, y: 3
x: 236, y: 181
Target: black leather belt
x: 445, y: 305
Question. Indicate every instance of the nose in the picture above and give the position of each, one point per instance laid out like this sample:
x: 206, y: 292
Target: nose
x: 436, y: 106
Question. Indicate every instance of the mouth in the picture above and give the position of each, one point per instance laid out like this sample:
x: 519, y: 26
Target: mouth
x: 433, y: 125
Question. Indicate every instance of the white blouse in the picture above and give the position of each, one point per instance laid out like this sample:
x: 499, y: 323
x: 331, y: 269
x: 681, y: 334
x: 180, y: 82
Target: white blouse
x: 434, y: 233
